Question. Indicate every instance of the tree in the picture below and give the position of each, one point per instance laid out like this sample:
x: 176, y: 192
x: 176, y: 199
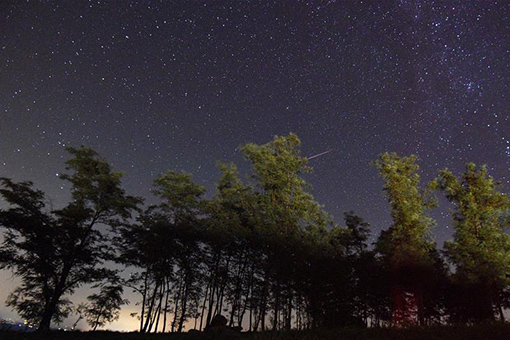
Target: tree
x: 356, y: 235
x: 55, y: 252
x: 290, y: 216
x: 480, y: 250
x: 406, y: 246
x: 182, y: 206
x: 104, y: 307
x: 364, y: 268
x: 165, y: 245
x: 278, y: 169
x: 231, y: 255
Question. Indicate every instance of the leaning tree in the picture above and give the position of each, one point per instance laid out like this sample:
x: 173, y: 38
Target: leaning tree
x: 54, y: 252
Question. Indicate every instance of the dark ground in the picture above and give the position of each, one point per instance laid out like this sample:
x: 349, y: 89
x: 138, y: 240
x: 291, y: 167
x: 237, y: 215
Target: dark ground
x: 494, y: 331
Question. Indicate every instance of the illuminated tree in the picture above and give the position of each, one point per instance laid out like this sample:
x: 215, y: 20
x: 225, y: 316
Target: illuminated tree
x: 291, y: 218
x: 406, y: 247
x: 480, y: 250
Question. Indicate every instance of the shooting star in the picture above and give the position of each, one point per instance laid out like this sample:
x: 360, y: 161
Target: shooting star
x: 320, y: 154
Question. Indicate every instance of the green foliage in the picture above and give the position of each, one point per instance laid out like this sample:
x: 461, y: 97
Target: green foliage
x: 178, y: 192
x: 263, y: 252
x: 480, y: 249
x: 278, y: 169
x: 407, y: 250
x: 407, y: 242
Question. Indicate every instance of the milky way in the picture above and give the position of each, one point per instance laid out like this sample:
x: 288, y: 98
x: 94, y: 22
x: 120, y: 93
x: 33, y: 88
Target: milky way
x: 160, y: 85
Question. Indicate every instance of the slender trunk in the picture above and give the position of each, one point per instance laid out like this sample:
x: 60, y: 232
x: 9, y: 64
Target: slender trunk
x: 214, y: 289
x: 176, y: 311
x: 167, y: 297
x: 203, y: 307
x: 242, y: 312
x: 80, y: 317
x: 221, y: 295
x: 144, y: 299
x: 151, y: 307
x: 211, y: 305
x: 288, y: 321
x: 250, y: 297
x: 298, y: 314
x: 96, y: 322
x: 237, y: 294
x: 263, y: 314
x: 217, y: 306
x: 250, y: 318
x: 232, y: 312
x: 276, y: 306
x: 153, y: 319
x: 251, y: 301
x: 265, y: 293
x: 184, y: 306
x: 257, y: 315
x: 161, y: 294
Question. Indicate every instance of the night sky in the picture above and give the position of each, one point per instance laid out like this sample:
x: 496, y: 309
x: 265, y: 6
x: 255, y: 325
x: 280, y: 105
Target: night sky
x: 165, y: 85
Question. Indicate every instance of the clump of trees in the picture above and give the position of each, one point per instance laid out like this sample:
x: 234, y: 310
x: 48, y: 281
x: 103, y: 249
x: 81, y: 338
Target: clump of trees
x: 480, y: 250
x: 260, y: 251
x: 406, y: 248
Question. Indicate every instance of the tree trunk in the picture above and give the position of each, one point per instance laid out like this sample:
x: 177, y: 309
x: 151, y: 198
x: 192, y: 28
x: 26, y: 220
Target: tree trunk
x: 176, y: 311
x: 96, y: 323
x: 276, y: 306
x: 144, y: 299
x: 150, y: 308
x: 167, y: 297
x: 184, y: 306
x: 50, y: 308
x: 161, y: 294
x: 203, y: 307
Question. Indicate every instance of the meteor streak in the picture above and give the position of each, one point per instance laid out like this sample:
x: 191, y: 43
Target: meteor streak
x: 320, y: 154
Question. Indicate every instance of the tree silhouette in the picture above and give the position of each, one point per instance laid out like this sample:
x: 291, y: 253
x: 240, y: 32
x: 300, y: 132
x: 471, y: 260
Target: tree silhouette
x: 104, y: 307
x: 260, y: 251
x: 55, y: 252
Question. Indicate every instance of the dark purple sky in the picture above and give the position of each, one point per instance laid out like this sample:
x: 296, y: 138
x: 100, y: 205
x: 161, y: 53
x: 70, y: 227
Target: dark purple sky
x: 181, y: 84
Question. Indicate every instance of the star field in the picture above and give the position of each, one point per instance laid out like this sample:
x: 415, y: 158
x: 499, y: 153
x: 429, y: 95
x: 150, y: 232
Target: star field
x: 181, y: 84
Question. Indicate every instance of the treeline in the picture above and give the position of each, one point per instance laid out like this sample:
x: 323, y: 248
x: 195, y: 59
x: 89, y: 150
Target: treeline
x: 261, y: 252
